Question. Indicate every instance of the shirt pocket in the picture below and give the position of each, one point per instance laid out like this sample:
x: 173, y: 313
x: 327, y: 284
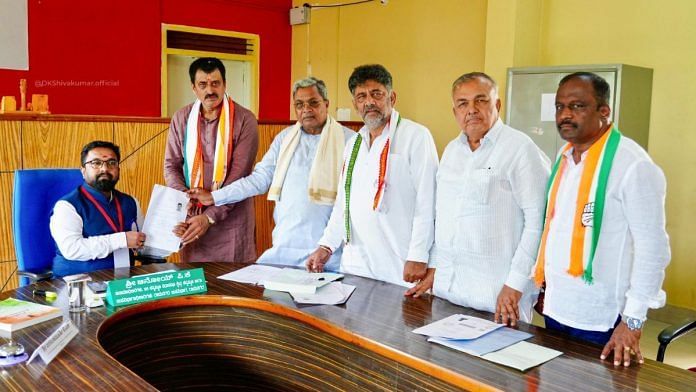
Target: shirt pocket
x: 477, y: 189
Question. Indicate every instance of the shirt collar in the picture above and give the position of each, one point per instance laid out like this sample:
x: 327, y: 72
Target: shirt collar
x: 489, y: 138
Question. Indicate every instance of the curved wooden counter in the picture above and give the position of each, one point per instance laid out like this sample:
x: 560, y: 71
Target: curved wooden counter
x: 376, y: 321
x: 222, y: 342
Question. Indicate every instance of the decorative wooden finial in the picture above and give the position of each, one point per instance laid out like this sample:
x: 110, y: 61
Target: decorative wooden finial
x: 23, y: 94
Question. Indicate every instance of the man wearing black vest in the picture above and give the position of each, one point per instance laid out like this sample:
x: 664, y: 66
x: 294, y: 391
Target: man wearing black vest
x: 95, y: 226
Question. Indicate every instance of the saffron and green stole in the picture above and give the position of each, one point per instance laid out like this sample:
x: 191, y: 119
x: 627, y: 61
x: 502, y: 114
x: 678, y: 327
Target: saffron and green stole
x: 193, y: 150
x: 592, y: 189
x: 381, y: 181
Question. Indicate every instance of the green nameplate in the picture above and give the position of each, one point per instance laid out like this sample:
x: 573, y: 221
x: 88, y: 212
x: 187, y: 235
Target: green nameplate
x: 159, y: 285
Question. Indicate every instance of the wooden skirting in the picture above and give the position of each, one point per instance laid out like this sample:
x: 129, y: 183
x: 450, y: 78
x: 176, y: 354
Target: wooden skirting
x: 40, y: 141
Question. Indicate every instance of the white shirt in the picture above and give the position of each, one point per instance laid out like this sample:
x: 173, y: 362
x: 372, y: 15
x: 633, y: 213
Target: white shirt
x: 66, y: 229
x: 488, y: 222
x: 632, y: 251
x: 403, y: 229
x: 299, y: 223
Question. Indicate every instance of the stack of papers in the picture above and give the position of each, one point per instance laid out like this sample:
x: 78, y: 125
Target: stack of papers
x: 298, y: 281
x: 458, y: 326
x: 487, y: 340
x: 305, y: 287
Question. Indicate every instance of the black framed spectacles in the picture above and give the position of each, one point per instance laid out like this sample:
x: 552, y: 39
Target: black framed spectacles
x: 98, y: 163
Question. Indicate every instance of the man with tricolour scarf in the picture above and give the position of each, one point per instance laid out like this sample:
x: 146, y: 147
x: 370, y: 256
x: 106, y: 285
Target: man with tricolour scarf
x: 604, y: 248
x: 212, y: 142
x: 300, y: 172
x: 384, y: 212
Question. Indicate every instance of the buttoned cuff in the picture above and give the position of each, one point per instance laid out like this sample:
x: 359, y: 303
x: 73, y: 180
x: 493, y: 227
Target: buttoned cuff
x: 217, y: 197
x: 419, y: 256
x: 118, y: 241
x: 517, y: 281
x: 635, y: 309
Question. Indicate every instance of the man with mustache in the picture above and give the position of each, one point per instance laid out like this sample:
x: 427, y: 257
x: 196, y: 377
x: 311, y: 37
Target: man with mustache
x: 604, y: 248
x: 384, y: 212
x: 89, y: 224
x: 300, y: 172
x: 212, y: 142
x: 489, y: 208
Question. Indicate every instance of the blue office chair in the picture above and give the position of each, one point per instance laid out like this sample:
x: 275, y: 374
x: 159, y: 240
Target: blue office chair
x: 35, y: 193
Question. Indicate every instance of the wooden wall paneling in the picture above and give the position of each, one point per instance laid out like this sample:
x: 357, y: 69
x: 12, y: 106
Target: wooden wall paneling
x: 8, y: 260
x: 142, y: 158
x: 10, y: 151
x: 263, y: 207
x: 58, y: 144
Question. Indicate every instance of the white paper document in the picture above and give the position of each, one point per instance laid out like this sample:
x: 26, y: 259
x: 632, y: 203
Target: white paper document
x: 254, y: 274
x: 458, y: 326
x: 167, y: 209
x: 548, y: 107
x: 522, y: 355
x: 334, y: 293
x: 490, y: 342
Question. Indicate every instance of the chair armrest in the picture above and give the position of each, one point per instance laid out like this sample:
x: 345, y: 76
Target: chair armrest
x: 672, y: 333
x: 36, y: 276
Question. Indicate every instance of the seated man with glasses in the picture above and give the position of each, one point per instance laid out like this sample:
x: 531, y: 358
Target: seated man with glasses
x: 300, y: 172
x: 95, y: 226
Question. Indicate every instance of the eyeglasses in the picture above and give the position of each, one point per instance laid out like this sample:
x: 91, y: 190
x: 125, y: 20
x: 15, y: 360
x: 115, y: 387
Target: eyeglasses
x: 98, y: 163
x: 573, y: 107
x: 299, y: 105
x: 377, y: 95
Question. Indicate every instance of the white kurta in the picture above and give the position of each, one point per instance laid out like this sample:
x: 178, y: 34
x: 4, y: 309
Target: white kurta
x: 632, y: 251
x: 488, y: 220
x: 299, y: 223
x: 403, y: 229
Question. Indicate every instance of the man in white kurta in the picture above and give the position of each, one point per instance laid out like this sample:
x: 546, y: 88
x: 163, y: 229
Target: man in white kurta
x: 299, y: 220
x: 390, y: 210
x: 600, y: 291
x: 489, y: 207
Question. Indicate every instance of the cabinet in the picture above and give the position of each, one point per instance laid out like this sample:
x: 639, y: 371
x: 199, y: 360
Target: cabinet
x: 531, y: 91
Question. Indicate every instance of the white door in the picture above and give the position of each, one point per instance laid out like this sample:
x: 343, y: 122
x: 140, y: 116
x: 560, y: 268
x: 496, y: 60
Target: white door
x: 179, y: 93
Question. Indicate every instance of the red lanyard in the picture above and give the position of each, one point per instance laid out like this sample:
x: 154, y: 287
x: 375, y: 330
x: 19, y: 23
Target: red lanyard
x: 103, y: 212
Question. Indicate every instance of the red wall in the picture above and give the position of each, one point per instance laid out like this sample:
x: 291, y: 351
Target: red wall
x: 103, y: 57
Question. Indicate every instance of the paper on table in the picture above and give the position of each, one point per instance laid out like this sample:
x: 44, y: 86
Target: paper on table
x: 167, y: 209
x: 494, y: 341
x: 121, y: 258
x: 458, y: 326
x: 254, y: 274
x: 522, y: 355
x: 334, y: 293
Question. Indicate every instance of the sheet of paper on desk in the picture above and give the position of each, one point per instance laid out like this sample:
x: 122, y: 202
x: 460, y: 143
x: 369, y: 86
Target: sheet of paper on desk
x: 167, y: 208
x: 254, y: 274
x: 494, y: 341
x: 458, y: 326
x: 522, y: 355
x: 334, y: 293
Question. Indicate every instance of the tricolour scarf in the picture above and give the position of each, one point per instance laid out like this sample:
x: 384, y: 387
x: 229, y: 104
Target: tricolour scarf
x: 193, y: 149
x: 589, y: 208
x: 391, y: 127
x: 326, y: 167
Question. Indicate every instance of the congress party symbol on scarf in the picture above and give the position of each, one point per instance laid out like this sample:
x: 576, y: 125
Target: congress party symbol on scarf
x: 589, y: 208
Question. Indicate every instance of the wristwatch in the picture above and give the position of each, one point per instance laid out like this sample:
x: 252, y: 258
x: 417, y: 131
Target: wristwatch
x: 633, y: 324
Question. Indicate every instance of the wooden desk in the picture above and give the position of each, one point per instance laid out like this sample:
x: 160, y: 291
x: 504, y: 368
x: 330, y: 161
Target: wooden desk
x: 377, y: 316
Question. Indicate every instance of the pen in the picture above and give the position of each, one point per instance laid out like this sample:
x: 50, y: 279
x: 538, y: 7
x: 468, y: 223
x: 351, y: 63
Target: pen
x: 45, y: 293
